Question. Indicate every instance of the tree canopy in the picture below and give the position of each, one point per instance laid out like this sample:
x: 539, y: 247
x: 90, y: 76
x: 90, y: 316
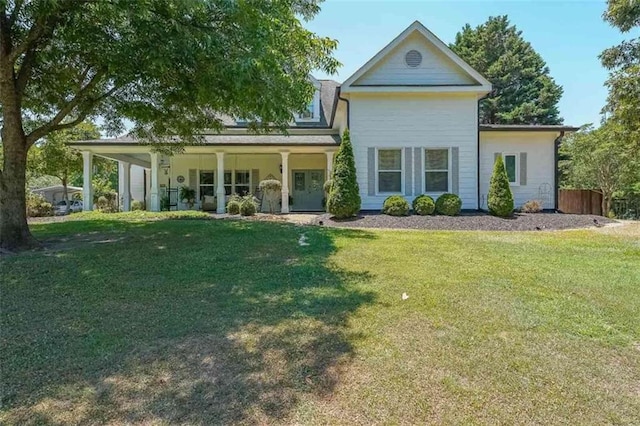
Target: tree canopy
x: 523, y: 90
x: 623, y: 62
x: 170, y: 67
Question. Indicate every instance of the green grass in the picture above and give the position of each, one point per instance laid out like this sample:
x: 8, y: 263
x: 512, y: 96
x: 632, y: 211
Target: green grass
x: 127, y: 320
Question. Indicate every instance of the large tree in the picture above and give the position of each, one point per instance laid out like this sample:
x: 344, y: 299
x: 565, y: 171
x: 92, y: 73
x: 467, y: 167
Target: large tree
x: 523, y: 91
x: 165, y: 65
x: 623, y: 61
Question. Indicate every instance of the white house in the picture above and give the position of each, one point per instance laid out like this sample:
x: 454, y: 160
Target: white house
x: 412, y: 111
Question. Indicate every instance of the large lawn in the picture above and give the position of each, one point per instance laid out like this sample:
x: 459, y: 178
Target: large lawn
x: 211, y: 321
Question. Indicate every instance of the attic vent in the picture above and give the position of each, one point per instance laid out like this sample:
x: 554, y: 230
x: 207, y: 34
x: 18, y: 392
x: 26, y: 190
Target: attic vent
x: 413, y: 58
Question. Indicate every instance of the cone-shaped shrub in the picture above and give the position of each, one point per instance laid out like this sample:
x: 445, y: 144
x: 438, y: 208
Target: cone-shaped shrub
x: 500, y: 198
x: 344, y: 196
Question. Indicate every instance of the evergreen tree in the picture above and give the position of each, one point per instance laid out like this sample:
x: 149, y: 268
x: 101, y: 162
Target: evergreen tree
x: 344, y: 196
x: 500, y: 198
x: 523, y: 90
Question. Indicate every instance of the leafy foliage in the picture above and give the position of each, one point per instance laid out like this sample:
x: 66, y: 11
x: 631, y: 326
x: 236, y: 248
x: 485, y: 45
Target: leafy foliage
x: 37, y: 206
x: 448, y: 204
x: 623, y: 62
x: 500, y: 199
x: 344, y: 196
x: 524, y: 92
x: 137, y: 205
x: 395, y: 205
x: 423, y: 205
x: 531, y: 206
x: 600, y: 159
x: 233, y: 205
x: 188, y: 195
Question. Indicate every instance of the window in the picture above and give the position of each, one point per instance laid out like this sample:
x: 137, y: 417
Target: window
x: 436, y: 170
x: 237, y: 182
x: 389, y: 170
x: 312, y: 111
x: 511, y: 165
x: 207, y: 186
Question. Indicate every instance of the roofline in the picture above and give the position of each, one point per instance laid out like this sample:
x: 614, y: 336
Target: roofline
x: 84, y: 144
x: 73, y: 188
x: 526, y: 128
x: 439, y: 44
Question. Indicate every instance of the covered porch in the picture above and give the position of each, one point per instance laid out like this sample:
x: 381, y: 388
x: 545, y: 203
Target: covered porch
x: 215, y: 174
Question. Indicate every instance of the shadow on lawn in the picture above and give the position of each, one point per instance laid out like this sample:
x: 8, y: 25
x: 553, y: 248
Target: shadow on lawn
x: 182, y: 321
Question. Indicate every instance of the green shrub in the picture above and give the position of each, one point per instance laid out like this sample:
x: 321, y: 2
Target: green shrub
x: 327, y: 186
x: 233, y: 205
x: 344, y: 197
x: 448, y: 204
x: 423, y: 205
x: 531, y: 206
x: 248, y: 206
x: 395, y: 205
x: 137, y: 205
x: 37, y: 206
x: 165, y: 203
x: 500, y: 198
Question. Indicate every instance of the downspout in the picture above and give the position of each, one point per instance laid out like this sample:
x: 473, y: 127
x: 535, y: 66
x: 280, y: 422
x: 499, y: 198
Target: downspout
x: 348, y: 108
x: 556, y: 174
x: 478, y: 148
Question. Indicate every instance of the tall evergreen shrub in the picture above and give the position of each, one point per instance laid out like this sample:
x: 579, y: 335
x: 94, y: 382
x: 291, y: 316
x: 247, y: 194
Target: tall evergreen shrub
x: 500, y: 198
x: 344, y: 197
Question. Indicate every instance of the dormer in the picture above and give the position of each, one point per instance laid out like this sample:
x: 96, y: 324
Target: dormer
x: 312, y: 113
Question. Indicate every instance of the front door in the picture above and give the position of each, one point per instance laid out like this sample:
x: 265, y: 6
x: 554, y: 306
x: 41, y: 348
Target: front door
x: 307, y: 191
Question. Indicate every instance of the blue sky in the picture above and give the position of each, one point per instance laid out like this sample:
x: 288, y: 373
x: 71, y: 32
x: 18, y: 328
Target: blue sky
x: 568, y: 34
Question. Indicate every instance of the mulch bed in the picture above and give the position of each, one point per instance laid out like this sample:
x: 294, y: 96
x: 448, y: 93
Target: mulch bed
x: 469, y: 221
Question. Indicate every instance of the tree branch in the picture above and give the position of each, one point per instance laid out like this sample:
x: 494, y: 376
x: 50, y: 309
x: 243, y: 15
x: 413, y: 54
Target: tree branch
x: 54, y: 123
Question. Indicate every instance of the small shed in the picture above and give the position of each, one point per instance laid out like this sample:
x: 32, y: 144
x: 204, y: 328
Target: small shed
x: 54, y: 194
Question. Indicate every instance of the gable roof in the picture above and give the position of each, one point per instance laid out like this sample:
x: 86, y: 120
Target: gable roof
x: 483, y: 85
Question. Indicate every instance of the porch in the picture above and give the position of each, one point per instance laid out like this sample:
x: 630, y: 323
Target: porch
x: 216, y: 174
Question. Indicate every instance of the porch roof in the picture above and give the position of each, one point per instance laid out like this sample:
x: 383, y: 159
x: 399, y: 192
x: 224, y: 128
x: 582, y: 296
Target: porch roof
x: 233, y: 140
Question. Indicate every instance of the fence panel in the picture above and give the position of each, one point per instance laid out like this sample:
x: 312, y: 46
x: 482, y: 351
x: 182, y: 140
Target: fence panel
x: 580, y: 201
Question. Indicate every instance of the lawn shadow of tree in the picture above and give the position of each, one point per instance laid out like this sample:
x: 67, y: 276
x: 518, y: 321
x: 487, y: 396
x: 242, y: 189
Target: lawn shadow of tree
x: 179, y: 322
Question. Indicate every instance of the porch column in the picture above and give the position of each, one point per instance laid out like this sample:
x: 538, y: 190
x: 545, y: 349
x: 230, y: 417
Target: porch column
x: 155, y: 192
x: 125, y: 168
x: 329, y: 155
x: 220, y: 207
x: 285, y: 182
x: 87, y: 187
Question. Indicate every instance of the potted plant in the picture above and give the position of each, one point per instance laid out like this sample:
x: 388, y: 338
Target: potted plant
x: 188, y: 196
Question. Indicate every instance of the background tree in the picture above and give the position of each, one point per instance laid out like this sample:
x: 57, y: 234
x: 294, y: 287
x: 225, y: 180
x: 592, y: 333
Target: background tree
x: 344, y: 195
x: 599, y: 159
x: 165, y: 65
x: 523, y: 90
x: 623, y: 61
x: 57, y: 159
x: 500, y: 197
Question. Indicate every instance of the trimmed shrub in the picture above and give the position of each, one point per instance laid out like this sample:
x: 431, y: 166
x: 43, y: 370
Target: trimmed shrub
x: 531, y: 206
x: 233, y: 205
x: 37, y: 206
x: 344, y: 197
x: 137, y: 205
x: 448, y: 204
x: 107, y: 202
x: 248, y: 206
x: 395, y: 205
x: 327, y: 186
x: 500, y: 198
x: 423, y: 205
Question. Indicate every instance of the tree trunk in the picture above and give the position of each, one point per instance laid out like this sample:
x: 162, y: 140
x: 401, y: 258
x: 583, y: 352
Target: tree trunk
x: 65, y: 195
x: 14, y: 231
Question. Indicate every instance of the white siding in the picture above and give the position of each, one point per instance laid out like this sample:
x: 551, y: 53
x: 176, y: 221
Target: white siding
x: 540, y: 164
x: 136, y: 182
x: 415, y: 121
x: 435, y: 69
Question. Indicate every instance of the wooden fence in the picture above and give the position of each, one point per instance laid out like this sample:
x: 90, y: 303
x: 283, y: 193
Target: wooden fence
x: 580, y: 201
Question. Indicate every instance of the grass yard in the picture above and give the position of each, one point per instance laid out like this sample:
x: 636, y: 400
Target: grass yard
x: 219, y: 321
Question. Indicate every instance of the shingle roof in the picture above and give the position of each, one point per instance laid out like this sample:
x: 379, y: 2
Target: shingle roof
x: 236, y: 139
x: 527, y: 128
